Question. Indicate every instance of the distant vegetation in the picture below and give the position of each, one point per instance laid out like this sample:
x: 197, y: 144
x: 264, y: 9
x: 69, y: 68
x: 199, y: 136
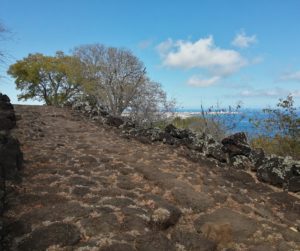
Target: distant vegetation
x: 113, y: 77
x: 279, y: 132
x: 212, y: 121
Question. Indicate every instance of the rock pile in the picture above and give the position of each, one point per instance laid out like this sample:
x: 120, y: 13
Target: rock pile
x: 10, y: 153
x: 233, y: 151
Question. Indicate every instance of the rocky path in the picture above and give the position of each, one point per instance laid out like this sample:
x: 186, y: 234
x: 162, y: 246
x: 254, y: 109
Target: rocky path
x: 85, y: 187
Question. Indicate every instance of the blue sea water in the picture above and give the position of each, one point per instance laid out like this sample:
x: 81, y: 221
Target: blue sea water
x: 242, y: 119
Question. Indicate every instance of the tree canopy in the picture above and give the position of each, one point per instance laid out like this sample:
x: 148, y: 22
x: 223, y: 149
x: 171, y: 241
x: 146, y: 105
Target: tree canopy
x: 118, y: 81
x: 112, y: 75
x: 53, y: 80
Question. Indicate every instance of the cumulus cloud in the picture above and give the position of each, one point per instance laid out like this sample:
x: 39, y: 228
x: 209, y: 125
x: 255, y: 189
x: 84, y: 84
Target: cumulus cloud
x: 268, y: 93
x: 199, y: 81
x: 241, y: 40
x: 202, y: 54
x: 291, y: 76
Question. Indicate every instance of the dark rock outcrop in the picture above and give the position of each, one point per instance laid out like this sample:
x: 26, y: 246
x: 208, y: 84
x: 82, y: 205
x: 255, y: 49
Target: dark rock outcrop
x: 236, y: 144
x: 177, y: 133
x: 10, y: 157
x: 7, y: 114
x: 281, y: 172
x: 257, y: 157
x: 114, y: 120
x: 10, y: 154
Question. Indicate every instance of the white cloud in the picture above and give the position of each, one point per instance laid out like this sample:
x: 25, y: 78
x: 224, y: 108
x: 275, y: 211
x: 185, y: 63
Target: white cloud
x: 198, y: 81
x: 202, y: 54
x: 291, y: 76
x: 241, y: 40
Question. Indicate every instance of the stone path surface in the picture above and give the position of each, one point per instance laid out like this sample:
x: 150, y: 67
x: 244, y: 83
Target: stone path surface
x: 85, y: 187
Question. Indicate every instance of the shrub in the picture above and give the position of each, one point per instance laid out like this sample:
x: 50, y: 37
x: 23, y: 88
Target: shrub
x: 279, y: 130
x: 215, y: 121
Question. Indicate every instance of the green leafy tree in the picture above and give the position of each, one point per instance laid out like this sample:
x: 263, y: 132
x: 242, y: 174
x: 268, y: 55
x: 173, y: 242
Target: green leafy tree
x: 54, y: 80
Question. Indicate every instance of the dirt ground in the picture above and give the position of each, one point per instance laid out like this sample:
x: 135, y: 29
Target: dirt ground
x: 85, y: 187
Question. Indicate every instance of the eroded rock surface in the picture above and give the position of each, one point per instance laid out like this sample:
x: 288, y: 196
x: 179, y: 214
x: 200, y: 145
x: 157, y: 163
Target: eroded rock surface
x: 87, y: 187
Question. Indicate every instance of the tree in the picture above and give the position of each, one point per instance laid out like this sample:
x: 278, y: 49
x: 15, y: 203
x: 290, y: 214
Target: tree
x: 53, y: 80
x: 151, y: 104
x: 283, y: 120
x: 114, y: 76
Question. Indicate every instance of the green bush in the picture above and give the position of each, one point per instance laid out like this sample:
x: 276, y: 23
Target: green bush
x: 279, y: 145
x: 200, y: 125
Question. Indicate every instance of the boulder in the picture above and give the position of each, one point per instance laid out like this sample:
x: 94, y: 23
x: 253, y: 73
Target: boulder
x: 257, y: 157
x: 114, y: 120
x: 241, y: 162
x: 152, y: 133
x: 198, y: 142
x: 281, y: 172
x: 177, y: 133
x: 128, y: 124
x: 216, y: 151
x: 236, y: 144
x: 272, y: 171
x: 5, y: 102
x: 7, y: 114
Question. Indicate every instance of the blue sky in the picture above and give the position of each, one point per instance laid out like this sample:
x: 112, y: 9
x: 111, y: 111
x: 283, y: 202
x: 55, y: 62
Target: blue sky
x: 202, y: 52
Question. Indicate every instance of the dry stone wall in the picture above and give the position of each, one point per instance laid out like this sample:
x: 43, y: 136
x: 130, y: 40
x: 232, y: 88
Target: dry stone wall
x: 234, y: 150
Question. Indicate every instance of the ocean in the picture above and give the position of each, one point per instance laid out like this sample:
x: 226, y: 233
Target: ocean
x: 241, y: 119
